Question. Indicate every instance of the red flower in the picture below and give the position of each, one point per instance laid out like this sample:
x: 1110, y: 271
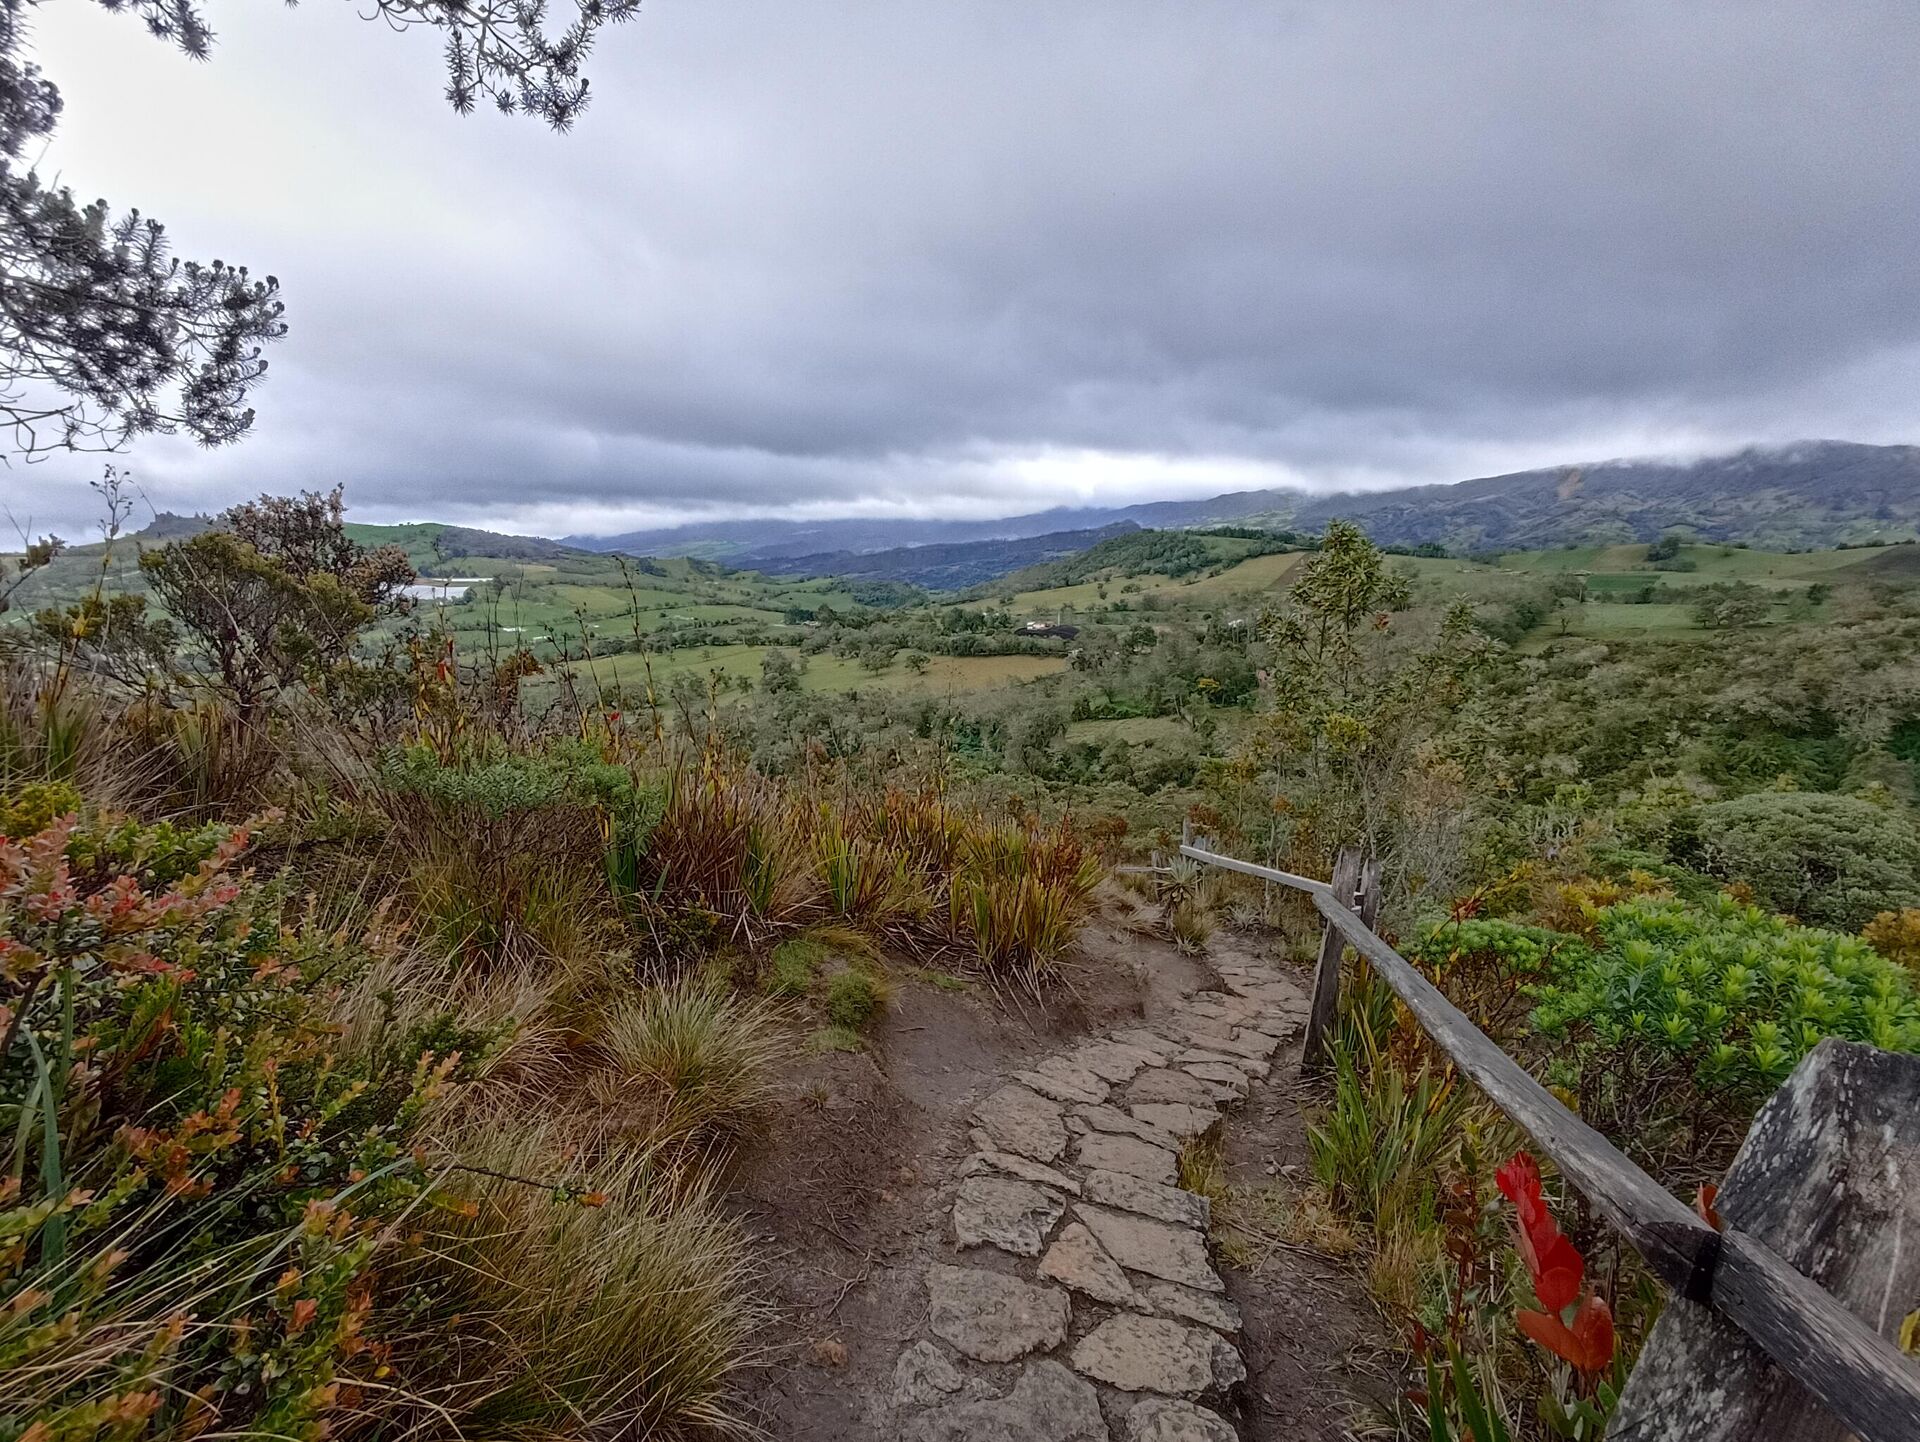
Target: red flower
x: 1553, y: 1263
x: 1587, y: 1344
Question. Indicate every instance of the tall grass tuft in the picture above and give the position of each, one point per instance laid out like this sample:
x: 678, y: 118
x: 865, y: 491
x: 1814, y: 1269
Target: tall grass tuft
x: 1377, y: 1148
x: 1021, y: 896
x: 695, y: 1061
x: 612, y: 1304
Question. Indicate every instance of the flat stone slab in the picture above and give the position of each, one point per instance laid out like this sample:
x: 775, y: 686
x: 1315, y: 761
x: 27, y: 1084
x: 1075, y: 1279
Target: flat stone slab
x: 1076, y: 1260
x: 1224, y: 1094
x: 1161, y: 1085
x: 926, y: 1376
x: 1159, y: 1249
x: 1147, y: 1041
x: 1112, y: 1119
x: 1200, y: 1056
x: 1222, y: 1072
x: 1147, y: 1354
x: 1001, y: 1212
x: 1047, y: 1404
x: 1209, y: 1309
x: 1135, y: 1194
x: 1199, y: 1030
x: 1023, y: 1122
x: 1104, y: 1151
x: 1224, y: 1007
x: 994, y: 1318
x: 1159, y: 1420
x: 1175, y: 1117
x: 988, y: 1162
x: 1256, y: 1045
x: 1115, y: 1062
x: 1063, y: 1084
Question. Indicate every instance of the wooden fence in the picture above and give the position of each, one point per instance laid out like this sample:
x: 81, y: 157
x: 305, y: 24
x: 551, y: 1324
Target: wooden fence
x: 1854, y: 1372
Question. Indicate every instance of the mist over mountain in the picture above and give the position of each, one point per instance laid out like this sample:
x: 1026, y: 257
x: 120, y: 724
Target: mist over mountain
x: 1812, y: 493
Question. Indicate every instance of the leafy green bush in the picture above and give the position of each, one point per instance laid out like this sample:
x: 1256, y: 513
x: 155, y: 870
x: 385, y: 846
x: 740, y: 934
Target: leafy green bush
x: 191, y: 1232
x: 35, y: 806
x: 1734, y: 991
x: 1827, y: 860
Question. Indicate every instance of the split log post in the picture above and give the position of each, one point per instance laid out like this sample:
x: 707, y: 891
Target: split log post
x: 1326, y: 976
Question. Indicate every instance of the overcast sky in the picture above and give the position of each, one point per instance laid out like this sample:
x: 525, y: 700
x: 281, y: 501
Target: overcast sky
x: 968, y: 258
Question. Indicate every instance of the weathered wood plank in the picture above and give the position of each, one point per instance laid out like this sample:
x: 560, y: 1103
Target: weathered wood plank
x: 1833, y: 1354
x: 1248, y: 868
x: 1325, y: 1008
x: 1826, y: 1187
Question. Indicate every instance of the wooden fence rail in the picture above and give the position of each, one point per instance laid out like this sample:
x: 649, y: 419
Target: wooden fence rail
x: 1855, y: 1372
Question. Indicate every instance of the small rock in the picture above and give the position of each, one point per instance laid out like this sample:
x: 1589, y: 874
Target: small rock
x: 1020, y: 1121
x: 1135, y: 1194
x: 1076, y: 1260
x: 1159, y: 1249
x: 1158, y: 1420
x: 1183, y: 1121
x: 1013, y: 1166
x: 925, y: 1375
x: 1011, y: 1215
x: 1206, y: 1308
x: 1047, y: 1404
x: 1147, y: 1354
x: 994, y: 1318
x: 1112, y: 1119
x: 1160, y: 1085
x: 1106, y: 1152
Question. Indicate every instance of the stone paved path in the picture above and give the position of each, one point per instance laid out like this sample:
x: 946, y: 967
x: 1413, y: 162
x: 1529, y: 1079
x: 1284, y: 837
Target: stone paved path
x: 1079, y: 1303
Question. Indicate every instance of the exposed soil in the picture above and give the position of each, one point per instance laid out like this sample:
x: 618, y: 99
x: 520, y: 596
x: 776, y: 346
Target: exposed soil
x: 841, y: 1195
x: 1317, y: 1361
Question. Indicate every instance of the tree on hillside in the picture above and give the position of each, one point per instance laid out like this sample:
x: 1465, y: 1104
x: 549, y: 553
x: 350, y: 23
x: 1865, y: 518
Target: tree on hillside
x: 1352, y: 696
x: 105, y: 334
x: 276, y: 593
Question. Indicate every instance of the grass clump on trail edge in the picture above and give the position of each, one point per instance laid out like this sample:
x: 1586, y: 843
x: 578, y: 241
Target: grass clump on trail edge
x: 854, y: 997
x: 835, y: 1038
x: 694, y: 1059
x: 791, y: 968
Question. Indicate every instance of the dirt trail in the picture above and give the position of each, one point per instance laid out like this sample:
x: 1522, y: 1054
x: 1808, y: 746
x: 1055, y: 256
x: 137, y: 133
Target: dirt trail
x: 974, y: 1231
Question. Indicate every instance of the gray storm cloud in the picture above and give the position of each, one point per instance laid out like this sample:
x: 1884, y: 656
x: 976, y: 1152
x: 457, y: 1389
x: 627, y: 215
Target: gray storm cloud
x: 899, y: 256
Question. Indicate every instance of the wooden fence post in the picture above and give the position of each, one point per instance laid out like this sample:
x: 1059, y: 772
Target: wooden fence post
x: 1326, y: 977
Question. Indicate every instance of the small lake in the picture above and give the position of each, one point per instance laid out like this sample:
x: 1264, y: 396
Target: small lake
x: 448, y: 590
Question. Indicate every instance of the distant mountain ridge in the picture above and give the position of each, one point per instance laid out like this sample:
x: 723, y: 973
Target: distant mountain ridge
x: 946, y: 565
x: 1811, y: 493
